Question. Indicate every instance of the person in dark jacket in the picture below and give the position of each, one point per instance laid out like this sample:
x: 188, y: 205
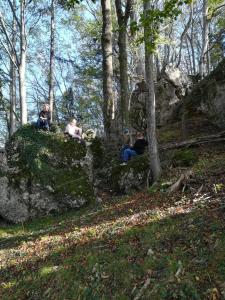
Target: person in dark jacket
x: 137, y: 149
x: 43, y: 121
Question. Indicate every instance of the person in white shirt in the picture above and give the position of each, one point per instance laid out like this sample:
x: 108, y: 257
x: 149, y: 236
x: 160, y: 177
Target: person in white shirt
x: 73, y: 130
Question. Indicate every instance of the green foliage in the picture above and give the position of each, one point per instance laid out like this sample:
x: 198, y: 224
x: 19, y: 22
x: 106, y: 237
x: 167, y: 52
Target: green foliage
x: 69, y: 3
x: 55, y: 128
x: 211, y: 163
x: 87, y: 84
x: 184, y: 157
x: 159, y: 187
x: 152, y: 18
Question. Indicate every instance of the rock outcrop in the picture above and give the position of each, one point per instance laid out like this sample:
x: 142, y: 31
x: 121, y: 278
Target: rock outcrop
x: 45, y: 173
x: 170, y: 91
x: 208, y: 97
x: 137, y: 114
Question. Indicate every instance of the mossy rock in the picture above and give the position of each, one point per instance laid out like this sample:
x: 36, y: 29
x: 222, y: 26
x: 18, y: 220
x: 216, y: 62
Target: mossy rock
x: 131, y: 176
x: 207, y: 98
x: 98, y: 152
x: 50, y: 160
x: 184, y: 158
x: 56, y: 128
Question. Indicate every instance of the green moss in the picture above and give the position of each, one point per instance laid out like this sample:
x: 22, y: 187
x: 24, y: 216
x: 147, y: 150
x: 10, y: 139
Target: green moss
x: 97, y: 150
x: 211, y: 163
x: 169, y: 134
x: 49, y: 159
x: 138, y: 164
x: 160, y: 186
x: 184, y: 158
x: 56, y: 128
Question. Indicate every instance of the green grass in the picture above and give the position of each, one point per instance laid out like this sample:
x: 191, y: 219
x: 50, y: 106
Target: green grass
x: 111, y: 250
x: 102, y: 253
x: 169, y: 133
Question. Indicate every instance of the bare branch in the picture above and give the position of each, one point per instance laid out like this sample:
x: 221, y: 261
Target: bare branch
x: 14, y: 13
x: 184, y: 34
x: 8, y: 52
x: 2, y: 23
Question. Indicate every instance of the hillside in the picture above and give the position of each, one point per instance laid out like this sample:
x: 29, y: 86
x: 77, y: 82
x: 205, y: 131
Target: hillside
x: 148, y: 245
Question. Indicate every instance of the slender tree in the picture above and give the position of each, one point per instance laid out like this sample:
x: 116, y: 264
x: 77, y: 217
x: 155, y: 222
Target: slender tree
x: 22, y: 64
x: 123, y: 18
x: 107, y: 66
x: 150, y: 103
x: 21, y: 58
x: 205, y: 39
x: 13, y: 77
x: 52, y: 59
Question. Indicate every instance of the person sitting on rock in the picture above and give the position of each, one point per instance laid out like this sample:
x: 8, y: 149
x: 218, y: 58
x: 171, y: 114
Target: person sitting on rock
x: 137, y: 149
x: 43, y: 121
x: 73, y: 130
x: 126, y: 142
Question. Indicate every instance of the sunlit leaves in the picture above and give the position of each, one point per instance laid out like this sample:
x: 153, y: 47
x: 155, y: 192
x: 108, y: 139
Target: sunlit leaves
x: 70, y: 3
x: 154, y: 17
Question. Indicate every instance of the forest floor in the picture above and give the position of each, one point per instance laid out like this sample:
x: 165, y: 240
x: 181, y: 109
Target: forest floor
x: 148, y: 245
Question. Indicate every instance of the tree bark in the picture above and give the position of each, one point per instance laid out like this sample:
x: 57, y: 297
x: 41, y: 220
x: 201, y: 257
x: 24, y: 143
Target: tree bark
x: 52, y: 60
x: 107, y: 66
x: 22, y: 66
x: 122, y: 43
x: 13, y: 79
x: 193, y: 67
x: 150, y: 103
x: 205, y: 40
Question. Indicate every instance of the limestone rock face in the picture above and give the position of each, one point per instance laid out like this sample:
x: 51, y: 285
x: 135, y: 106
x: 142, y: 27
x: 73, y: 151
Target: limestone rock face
x: 208, y: 97
x: 45, y: 173
x: 137, y: 113
x: 170, y: 91
x: 180, y: 80
x: 11, y: 206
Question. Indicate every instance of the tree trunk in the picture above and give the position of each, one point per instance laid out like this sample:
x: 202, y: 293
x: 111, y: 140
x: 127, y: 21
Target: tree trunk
x: 13, y: 79
x: 124, y: 87
x: 193, y: 67
x: 150, y: 103
x: 22, y: 66
x: 205, y: 40
x: 52, y: 60
x: 192, y: 42
x: 107, y: 66
x: 122, y: 43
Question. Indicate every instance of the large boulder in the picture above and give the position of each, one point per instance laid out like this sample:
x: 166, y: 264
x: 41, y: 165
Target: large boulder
x: 46, y: 172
